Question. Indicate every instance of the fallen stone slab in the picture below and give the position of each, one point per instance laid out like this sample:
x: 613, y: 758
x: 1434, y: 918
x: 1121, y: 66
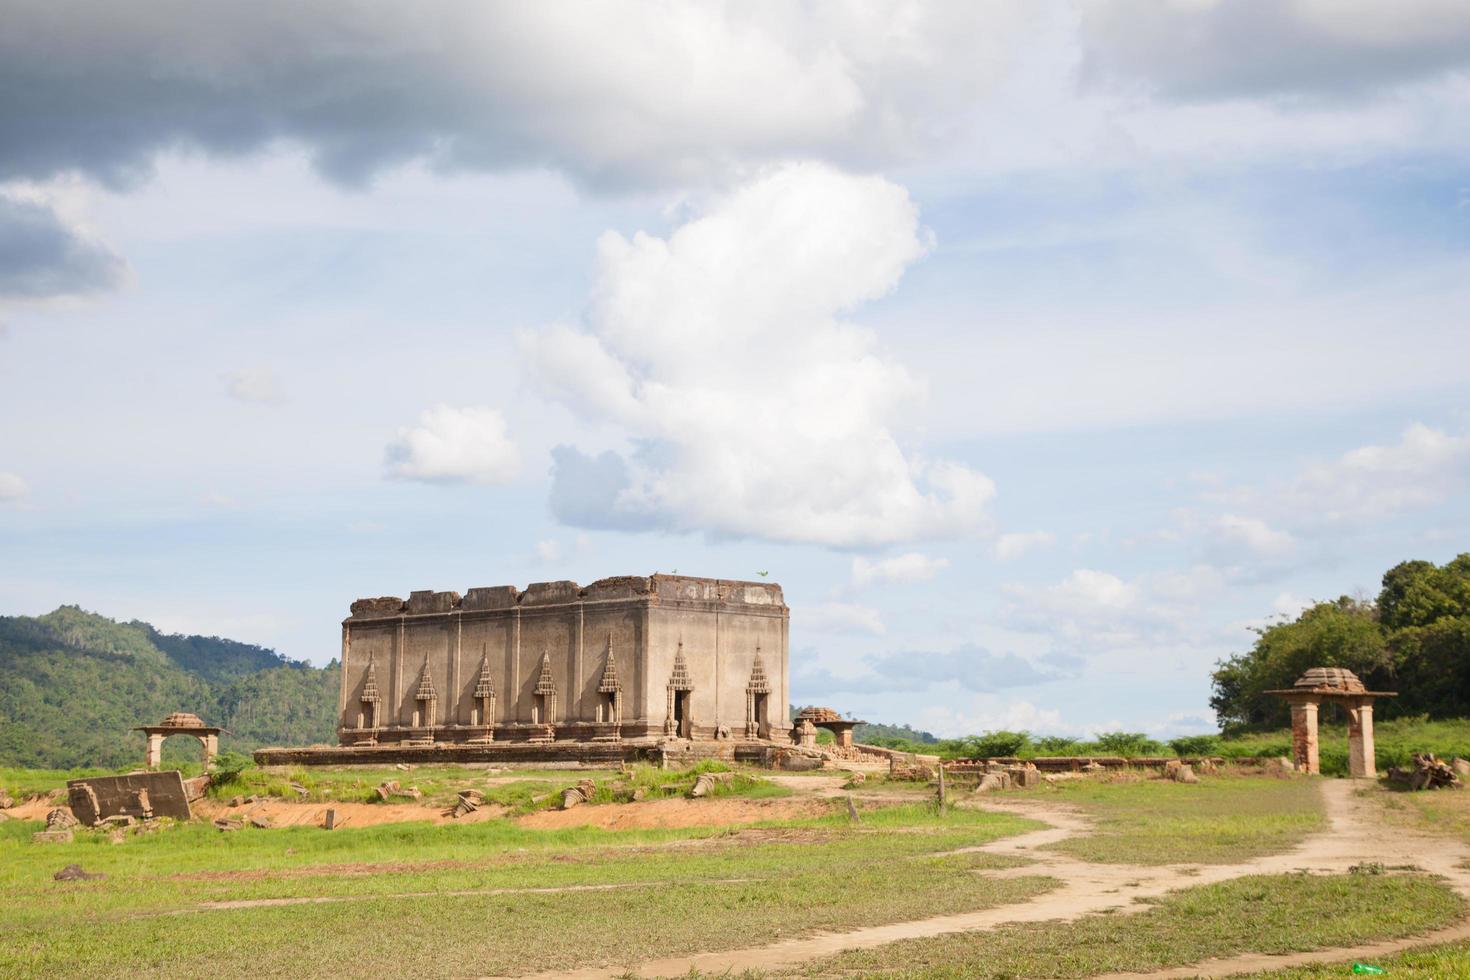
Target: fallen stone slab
x: 707, y: 781
x: 74, y: 872
x: 52, y: 837
x: 260, y: 821
x: 225, y: 826
x: 139, y: 794
x: 60, y: 819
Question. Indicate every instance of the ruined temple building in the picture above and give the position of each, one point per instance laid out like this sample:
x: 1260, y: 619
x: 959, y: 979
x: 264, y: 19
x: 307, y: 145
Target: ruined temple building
x: 623, y: 660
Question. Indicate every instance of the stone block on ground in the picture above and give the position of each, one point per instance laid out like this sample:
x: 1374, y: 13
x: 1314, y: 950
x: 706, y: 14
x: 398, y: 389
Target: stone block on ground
x: 60, y: 819
x: 260, y: 821
x: 52, y: 837
x: 993, y: 781
x: 223, y: 825
x: 74, y: 872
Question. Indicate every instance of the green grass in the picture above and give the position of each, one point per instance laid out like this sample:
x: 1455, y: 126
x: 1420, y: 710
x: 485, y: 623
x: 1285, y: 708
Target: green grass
x: 689, y: 889
x: 1394, y: 742
x: 1220, y: 820
x: 1428, y: 963
x: 521, y: 790
x: 1264, y: 914
x: 1439, y: 811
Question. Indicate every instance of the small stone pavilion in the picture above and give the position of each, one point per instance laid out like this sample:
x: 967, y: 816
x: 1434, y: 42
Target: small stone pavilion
x: 180, y: 723
x: 1334, y: 685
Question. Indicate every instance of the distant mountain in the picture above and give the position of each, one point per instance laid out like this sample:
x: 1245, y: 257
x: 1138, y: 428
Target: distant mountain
x: 73, y: 683
x: 871, y: 733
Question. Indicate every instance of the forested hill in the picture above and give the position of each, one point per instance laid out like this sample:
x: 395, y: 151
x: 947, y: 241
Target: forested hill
x: 73, y: 683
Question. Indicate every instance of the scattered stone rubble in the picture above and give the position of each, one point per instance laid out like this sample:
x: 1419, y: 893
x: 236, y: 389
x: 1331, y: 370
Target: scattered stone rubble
x: 1429, y: 773
x: 74, y: 872
x: 707, y: 781
x: 578, y: 794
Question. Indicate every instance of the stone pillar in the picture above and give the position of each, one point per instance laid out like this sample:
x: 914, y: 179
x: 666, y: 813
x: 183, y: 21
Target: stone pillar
x: 211, y: 747
x: 155, y: 750
x: 1361, y: 761
x: 1304, y: 735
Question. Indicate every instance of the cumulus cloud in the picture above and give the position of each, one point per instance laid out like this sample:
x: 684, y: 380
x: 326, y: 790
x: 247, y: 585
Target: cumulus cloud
x: 842, y: 617
x: 1009, y: 547
x: 1096, y: 610
x: 1424, y: 468
x: 257, y: 385
x: 1208, y: 49
x: 608, y: 92
x: 43, y: 256
x: 912, y: 567
x: 12, y: 488
x: 455, y: 445
x: 751, y: 407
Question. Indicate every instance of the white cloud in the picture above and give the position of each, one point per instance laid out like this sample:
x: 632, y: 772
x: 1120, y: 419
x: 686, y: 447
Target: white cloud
x: 988, y: 714
x: 1255, y: 534
x: 912, y: 567
x: 1009, y: 547
x: 1426, y: 467
x: 12, y: 488
x: 1289, y: 605
x: 841, y: 617
x: 455, y: 445
x: 752, y: 408
x: 548, y: 551
x: 258, y: 385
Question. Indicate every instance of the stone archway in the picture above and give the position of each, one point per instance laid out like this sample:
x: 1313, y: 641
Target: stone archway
x: 1332, y: 685
x: 180, y: 723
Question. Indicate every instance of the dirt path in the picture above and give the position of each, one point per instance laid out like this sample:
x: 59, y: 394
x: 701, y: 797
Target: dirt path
x: 1356, y: 835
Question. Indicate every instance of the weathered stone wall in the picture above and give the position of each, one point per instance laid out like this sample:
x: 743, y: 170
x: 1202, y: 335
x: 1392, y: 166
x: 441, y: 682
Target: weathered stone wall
x: 642, y: 620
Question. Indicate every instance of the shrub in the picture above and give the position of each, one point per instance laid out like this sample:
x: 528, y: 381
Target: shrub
x: 1127, y: 744
x: 1196, y: 745
x: 227, y: 767
x: 999, y: 743
x: 1055, y: 745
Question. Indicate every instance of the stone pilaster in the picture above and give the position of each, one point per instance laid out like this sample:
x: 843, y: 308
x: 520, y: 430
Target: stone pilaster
x: 1304, y: 735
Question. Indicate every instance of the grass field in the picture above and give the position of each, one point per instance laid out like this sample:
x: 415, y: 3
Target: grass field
x: 473, y: 908
x: 1451, y: 960
x: 1272, y: 914
x: 1394, y: 740
x: 1222, y: 820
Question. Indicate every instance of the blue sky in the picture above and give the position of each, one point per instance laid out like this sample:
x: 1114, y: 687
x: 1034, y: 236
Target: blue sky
x: 1038, y: 350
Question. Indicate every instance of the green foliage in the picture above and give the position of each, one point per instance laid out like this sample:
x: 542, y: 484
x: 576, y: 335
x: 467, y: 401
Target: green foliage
x: 226, y: 767
x: 1193, y: 745
x: 1394, y: 741
x: 999, y: 743
x: 73, y: 684
x: 1127, y: 744
x: 1414, y: 639
x: 1055, y: 745
x: 883, y: 734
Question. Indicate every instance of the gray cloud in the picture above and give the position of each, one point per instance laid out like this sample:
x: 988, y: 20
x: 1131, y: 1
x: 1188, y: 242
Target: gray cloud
x: 609, y: 93
x: 41, y: 256
x: 1251, y: 48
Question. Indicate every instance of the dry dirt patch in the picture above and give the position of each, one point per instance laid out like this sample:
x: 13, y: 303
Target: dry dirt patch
x: 290, y: 813
x: 662, y: 814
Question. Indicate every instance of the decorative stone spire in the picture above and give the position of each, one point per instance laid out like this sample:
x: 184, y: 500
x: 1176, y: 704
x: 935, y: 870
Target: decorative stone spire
x: 370, y: 693
x: 680, y: 679
x: 426, y: 685
x: 759, y: 683
x: 545, y: 684
x: 610, y: 683
x: 485, y: 688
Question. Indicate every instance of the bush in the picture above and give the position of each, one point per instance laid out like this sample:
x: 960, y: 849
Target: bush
x: 227, y: 767
x: 1126, y: 744
x: 1000, y: 743
x: 1055, y: 745
x: 1196, y: 745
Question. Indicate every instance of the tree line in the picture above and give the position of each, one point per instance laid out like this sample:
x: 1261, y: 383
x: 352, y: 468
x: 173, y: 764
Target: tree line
x: 1413, y: 638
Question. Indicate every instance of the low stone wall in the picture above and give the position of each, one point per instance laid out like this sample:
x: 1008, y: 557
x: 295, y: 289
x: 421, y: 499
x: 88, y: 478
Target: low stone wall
x: 677, y: 752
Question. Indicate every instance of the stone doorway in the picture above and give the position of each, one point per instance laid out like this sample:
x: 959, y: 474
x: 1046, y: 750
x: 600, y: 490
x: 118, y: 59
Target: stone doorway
x: 759, y: 711
x: 683, y: 720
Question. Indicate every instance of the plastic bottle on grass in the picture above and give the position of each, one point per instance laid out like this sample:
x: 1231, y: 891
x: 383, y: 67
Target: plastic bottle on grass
x: 1368, y: 968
